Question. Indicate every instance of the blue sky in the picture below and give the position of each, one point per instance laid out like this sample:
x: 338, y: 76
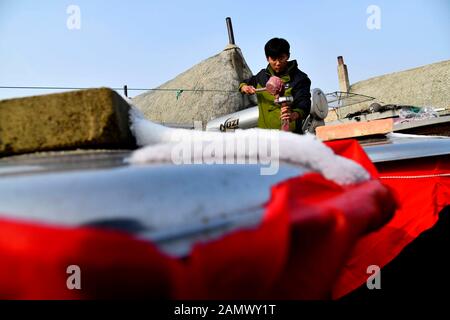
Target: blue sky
x: 145, y: 43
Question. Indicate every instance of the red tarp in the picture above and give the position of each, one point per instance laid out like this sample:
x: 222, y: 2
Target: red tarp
x: 422, y: 188
x: 308, y: 231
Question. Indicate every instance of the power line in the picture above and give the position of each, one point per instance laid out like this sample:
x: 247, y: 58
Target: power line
x: 135, y: 89
x: 48, y: 88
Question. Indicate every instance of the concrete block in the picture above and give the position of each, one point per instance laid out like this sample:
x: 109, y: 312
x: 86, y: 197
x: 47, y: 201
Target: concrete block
x: 93, y: 118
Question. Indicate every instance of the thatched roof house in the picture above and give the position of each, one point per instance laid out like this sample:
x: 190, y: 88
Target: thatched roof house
x: 204, y: 92
x: 428, y: 85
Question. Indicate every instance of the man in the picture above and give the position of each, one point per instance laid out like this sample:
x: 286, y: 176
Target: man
x: 297, y: 85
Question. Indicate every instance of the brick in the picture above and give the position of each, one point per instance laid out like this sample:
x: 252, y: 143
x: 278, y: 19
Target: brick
x: 354, y: 129
x: 93, y: 118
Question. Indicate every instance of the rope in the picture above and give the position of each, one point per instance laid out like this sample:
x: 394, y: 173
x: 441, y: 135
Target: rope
x: 178, y: 91
x: 417, y: 176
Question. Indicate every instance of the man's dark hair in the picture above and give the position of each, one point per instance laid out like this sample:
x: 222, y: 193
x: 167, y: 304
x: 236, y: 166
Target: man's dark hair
x: 276, y: 47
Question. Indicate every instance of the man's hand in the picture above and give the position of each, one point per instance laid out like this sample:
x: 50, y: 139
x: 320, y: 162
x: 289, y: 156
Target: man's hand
x: 248, y: 89
x: 287, y: 114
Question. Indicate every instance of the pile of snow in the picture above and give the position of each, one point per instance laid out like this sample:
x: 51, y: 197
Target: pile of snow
x: 267, y: 147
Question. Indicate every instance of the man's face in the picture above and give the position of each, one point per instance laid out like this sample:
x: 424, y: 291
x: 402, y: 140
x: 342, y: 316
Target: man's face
x: 278, y: 64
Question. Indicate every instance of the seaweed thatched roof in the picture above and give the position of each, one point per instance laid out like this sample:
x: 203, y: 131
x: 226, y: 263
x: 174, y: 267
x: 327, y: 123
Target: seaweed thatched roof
x: 210, y: 90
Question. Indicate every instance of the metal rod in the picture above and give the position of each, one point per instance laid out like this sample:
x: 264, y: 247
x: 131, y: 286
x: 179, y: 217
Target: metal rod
x: 230, y: 31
